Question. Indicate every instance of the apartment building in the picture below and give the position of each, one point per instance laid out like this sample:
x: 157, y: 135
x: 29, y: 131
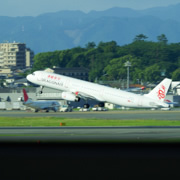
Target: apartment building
x: 15, y: 55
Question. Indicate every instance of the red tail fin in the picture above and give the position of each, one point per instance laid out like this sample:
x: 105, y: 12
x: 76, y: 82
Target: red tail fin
x: 25, y: 95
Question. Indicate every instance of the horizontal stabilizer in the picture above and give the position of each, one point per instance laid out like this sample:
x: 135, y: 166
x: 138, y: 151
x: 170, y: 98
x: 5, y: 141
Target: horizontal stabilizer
x: 170, y: 102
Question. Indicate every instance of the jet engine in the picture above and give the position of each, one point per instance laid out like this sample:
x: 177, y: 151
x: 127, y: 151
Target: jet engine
x: 70, y: 97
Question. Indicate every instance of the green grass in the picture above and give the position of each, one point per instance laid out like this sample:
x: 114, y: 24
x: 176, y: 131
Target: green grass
x: 55, y: 121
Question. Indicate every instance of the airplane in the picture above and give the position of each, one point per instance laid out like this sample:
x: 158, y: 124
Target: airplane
x: 76, y: 89
x: 40, y: 105
x: 170, y: 102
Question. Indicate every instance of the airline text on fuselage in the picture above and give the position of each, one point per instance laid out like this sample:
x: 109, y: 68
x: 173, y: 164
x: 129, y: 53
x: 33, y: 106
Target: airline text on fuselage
x: 53, y: 80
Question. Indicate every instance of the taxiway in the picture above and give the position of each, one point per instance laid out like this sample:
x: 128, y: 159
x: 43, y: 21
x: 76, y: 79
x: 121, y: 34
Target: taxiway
x: 129, y: 114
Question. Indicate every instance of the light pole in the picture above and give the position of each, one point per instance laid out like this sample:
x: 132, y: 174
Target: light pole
x: 127, y: 64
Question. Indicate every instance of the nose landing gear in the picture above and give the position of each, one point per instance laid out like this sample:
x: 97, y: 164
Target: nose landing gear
x: 41, y: 89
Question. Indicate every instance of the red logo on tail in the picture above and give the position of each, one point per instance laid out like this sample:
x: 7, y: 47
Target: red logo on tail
x: 161, y: 92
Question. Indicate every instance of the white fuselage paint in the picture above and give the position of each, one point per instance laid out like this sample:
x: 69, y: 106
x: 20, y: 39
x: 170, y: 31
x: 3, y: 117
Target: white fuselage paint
x: 92, y: 90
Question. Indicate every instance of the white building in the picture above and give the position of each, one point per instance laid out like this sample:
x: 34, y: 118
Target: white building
x: 16, y: 55
x: 175, y: 86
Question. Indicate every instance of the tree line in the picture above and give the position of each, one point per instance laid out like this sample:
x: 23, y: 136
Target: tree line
x: 150, y: 61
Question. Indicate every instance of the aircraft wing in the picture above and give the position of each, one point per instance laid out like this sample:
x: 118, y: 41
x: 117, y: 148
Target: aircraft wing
x: 87, y: 96
x: 52, y: 105
x: 45, y: 105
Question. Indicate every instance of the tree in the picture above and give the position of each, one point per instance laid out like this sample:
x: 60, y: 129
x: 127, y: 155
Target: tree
x: 116, y: 68
x: 90, y: 45
x: 147, y: 59
x: 176, y: 75
x: 78, y: 60
x: 162, y: 39
x: 140, y: 37
x: 152, y: 73
x: 42, y: 60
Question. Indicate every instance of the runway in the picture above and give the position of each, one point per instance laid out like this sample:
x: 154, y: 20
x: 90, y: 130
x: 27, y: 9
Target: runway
x: 93, y: 134
x: 89, y: 134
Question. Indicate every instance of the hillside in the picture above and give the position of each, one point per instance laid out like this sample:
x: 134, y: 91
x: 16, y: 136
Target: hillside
x: 68, y: 29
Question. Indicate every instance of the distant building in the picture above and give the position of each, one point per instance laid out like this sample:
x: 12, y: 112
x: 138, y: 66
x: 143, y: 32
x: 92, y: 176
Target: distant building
x: 75, y: 72
x: 5, y: 71
x: 15, y: 55
x: 175, y: 86
x: 29, y: 57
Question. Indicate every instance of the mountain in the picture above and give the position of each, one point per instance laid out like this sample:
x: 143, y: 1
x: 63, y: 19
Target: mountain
x: 67, y: 29
x: 165, y: 13
x: 115, y: 12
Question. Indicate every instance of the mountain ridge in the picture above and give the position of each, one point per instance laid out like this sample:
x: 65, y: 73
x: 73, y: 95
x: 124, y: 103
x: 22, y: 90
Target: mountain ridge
x: 68, y: 29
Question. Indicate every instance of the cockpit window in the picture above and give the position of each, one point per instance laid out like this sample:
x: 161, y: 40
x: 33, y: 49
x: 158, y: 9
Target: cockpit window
x: 33, y: 74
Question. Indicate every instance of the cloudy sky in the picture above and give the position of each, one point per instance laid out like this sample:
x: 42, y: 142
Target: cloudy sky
x: 36, y: 7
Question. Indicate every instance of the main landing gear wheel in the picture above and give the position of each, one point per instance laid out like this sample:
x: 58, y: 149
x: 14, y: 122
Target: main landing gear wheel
x: 86, y: 106
x: 101, y: 104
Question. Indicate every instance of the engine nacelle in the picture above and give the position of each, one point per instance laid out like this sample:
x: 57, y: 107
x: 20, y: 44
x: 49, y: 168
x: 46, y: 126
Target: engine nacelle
x: 70, y: 97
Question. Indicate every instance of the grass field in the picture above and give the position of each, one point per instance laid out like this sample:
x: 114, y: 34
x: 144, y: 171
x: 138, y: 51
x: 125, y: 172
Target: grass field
x: 56, y: 121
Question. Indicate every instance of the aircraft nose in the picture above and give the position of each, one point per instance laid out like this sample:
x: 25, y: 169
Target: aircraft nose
x: 28, y: 77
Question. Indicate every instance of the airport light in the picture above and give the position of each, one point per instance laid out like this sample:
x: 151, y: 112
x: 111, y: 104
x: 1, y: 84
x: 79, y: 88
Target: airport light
x: 127, y: 64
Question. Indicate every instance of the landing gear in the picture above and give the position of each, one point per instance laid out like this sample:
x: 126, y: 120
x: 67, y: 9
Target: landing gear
x: 77, y: 99
x: 86, y: 106
x: 101, y: 104
x: 41, y: 89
